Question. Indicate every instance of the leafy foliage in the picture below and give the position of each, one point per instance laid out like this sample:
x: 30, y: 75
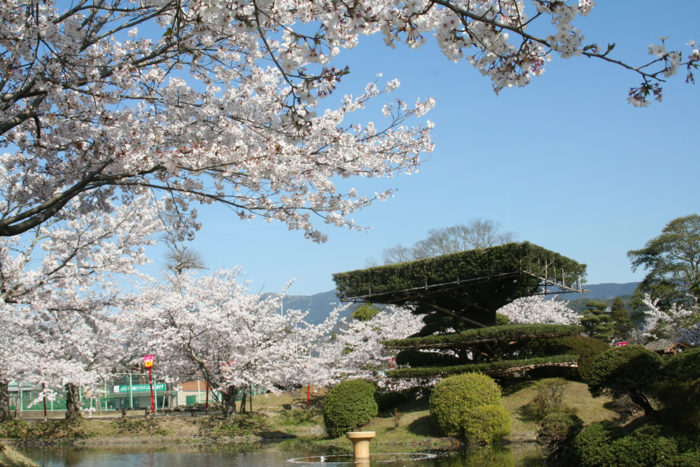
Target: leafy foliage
x: 453, y: 398
x: 512, y: 258
x: 348, y: 406
x: 509, y: 332
x: 471, y: 284
x: 597, y: 322
x: 557, y: 433
x: 649, y: 445
x: 630, y: 370
x: 499, y: 368
x: 486, y: 423
x: 679, y: 391
x: 53, y: 429
x: 585, y: 348
x: 550, y: 393
x: 673, y: 262
x: 621, y: 319
x: 416, y: 358
x: 365, y: 312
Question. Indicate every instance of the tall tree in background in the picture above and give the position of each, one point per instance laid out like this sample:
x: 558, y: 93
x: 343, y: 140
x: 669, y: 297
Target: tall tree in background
x: 672, y: 260
x: 621, y: 319
x: 597, y: 321
x: 478, y: 233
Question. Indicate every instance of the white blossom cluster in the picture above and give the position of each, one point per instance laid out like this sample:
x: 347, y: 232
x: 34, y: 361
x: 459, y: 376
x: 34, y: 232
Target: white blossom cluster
x: 219, y: 100
x: 537, y: 309
x: 60, y: 286
x: 357, y: 350
x: 671, y: 322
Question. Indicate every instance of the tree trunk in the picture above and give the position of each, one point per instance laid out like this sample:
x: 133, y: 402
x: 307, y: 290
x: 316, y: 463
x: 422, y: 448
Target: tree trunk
x: 243, y: 401
x: 642, y: 401
x: 5, y: 413
x: 72, y: 403
x: 228, y: 402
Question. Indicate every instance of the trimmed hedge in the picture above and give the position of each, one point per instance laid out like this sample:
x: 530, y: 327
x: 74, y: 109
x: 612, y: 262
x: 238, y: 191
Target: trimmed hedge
x: 584, y: 347
x: 348, y: 406
x: 471, y: 405
x: 502, y: 367
x: 511, y: 332
x: 488, y: 263
x: 417, y: 358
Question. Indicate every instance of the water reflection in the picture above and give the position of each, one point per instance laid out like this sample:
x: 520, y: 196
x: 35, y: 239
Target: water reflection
x: 266, y: 457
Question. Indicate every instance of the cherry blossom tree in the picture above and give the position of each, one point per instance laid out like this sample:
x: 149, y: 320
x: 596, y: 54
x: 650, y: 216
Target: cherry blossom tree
x: 211, y: 326
x: 537, y: 309
x: 60, y: 284
x: 677, y: 322
x: 218, y: 100
x: 357, y: 350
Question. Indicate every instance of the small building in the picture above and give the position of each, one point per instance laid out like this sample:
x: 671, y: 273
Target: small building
x: 667, y: 346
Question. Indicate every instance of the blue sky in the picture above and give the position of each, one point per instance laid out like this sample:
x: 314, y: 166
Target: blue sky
x: 565, y: 162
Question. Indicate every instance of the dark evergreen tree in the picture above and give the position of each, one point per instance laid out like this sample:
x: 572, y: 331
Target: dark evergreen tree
x: 621, y: 319
x: 597, y: 321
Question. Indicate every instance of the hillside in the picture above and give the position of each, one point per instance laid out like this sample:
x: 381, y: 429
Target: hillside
x: 320, y: 304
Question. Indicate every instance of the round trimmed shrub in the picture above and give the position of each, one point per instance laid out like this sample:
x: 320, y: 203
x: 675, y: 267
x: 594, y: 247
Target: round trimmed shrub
x: 348, y: 406
x: 487, y: 423
x: 453, y: 397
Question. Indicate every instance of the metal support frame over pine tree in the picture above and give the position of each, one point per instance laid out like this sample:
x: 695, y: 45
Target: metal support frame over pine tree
x: 465, y: 289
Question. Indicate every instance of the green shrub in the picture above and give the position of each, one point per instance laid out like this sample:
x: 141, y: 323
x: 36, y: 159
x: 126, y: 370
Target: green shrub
x: 453, y: 397
x: 502, y: 319
x: 557, y: 433
x: 591, y: 446
x: 387, y: 401
x: 15, y: 428
x: 550, y: 392
x: 365, y: 312
x: 415, y: 358
x: 486, y: 423
x: 648, y: 445
x: 679, y: 391
x: 585, y: 348
x: 299, y: 416
x: 348, y: 406
x: 631, y: 370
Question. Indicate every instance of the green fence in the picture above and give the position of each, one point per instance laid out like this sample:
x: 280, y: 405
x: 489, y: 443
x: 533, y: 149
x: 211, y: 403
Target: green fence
x: 126, y: 391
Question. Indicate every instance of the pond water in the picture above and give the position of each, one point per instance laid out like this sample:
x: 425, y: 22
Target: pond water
x: 264, y: 457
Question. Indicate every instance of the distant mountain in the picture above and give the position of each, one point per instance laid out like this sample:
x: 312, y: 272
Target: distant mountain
x: 603, y: 291
x: 320, y: 304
